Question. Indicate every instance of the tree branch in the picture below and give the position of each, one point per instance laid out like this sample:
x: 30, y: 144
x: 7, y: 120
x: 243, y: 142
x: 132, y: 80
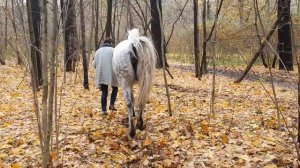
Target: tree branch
x: 257, y: 54
x: 173, y: 25
x: 215, y: 21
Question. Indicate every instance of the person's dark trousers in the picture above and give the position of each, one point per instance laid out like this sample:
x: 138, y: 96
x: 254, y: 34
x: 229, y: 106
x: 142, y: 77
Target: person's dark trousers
x: 114, y: 93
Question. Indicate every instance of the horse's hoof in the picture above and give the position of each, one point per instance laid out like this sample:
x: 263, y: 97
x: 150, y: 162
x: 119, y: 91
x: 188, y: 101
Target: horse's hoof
x: 140, y: 125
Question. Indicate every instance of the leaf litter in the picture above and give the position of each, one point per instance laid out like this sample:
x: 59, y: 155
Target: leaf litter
x: 241, y: 133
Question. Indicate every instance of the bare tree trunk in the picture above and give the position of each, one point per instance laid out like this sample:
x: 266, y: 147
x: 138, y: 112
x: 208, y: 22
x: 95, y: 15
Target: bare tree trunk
x: 213, y: 86
x: 203, y: 69
x: 163, y: 61
x: 114, y: 23
x: 44, y: 14
x: 13, y: 21
x: 296, y: 53
x: 146, y: 20
x: 97, y: 24
x: 34, y: 82
x: 208, y: 10
x: 69, y: 17
x: 257, y: 15
x: 215, y: 30
x: 284, y: 46
x: 129, y: 16
x: 196, y: 38
x: 92, y: 31
x: 36, y: 22
x: 6, y: 24
x: 298, y: 6
x: 20, y: 9
x: 108, y: 27
x: 32, y: 48
x: 156, y: 31
x: 119, y: 21
x: 83, y: 49
x: 3, y: 51
x: 101, y: 20
x: 46, y: 157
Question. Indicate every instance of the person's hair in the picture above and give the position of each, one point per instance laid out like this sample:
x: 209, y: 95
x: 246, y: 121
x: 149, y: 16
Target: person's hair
x: 108, y: 40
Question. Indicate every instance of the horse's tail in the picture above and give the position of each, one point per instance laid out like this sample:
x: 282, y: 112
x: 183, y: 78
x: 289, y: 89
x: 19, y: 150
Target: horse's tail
x: 146, y: 66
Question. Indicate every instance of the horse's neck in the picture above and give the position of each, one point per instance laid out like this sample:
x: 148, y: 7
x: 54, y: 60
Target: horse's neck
x: 133, y: 35
x: 133, y: 38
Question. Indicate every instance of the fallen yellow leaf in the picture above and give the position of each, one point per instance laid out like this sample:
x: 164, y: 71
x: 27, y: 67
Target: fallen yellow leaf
x: 204, y: 128
x: 147, y: 142
x: 15, y: 165
x: 173, y: 134
x: 225, y: 139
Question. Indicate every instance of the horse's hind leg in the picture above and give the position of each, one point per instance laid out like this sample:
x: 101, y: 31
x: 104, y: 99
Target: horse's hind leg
x: 140, y: 122
x: 127, y: 95
x: 132, y: 99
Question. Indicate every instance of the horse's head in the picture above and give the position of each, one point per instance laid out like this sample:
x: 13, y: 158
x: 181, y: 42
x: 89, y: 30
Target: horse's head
x: 133, y: 34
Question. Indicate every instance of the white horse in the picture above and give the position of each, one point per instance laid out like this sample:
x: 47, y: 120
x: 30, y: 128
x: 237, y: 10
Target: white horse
x: 134, y: 61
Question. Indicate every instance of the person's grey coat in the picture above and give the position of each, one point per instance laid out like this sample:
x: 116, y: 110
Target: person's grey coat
x: 103, y: 65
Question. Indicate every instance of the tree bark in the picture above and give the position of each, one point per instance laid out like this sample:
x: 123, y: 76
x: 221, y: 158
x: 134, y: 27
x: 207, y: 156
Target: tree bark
x: 208, y: 10
x: 163, y: 60
x: 83, y: 48
x: 284, y: 46
x: 52, y: 85
x: 129, y: 16
x: 36, y: 21
x: 257, y: 16
x: 213, y: 86
x: 44, y: 14
x: 69, y: 20
x: 156, y: 31
x: 203, y: 69
x: 20, y: 5
x: 119, y: 21
x: 33, y: 56
x: 96, y: 24
x: 298, y: 6
x: 196, y: 38
x: 6, y: 22
x: 113, y: 32
x: 45, y: 149
x: 20, y: 61
x: 108, y: 27
x: 90, y: 48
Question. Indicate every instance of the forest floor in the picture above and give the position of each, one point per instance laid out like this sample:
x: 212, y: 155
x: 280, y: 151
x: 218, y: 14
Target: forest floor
x: 243, y: 131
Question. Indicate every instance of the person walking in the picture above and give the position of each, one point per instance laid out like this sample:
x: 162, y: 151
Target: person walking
x: 105, y: 75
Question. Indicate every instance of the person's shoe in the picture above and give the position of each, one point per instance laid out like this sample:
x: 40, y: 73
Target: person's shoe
x: 112, y: 107
x: 104, y: 113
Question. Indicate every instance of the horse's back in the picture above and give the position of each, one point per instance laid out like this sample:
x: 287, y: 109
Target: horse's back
x: 121, y: 61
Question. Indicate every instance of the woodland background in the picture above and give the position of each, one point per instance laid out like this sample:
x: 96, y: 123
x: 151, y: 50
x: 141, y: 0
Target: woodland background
x: 50, y: 110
